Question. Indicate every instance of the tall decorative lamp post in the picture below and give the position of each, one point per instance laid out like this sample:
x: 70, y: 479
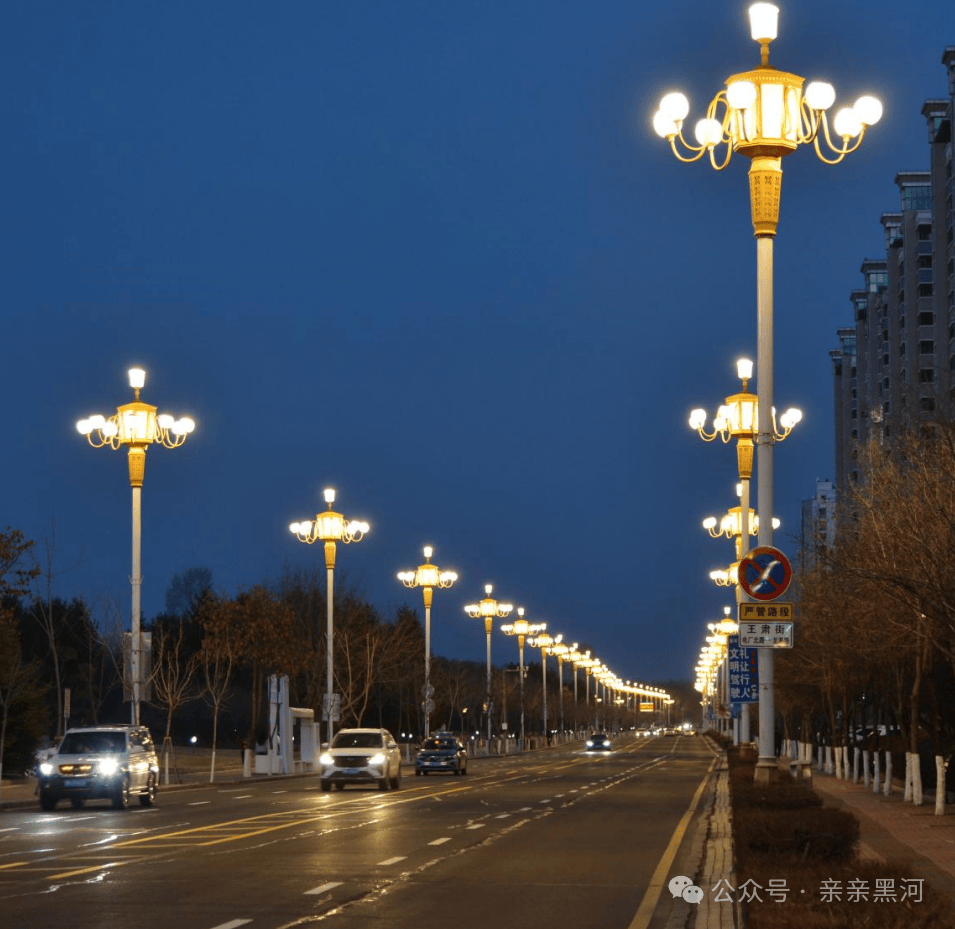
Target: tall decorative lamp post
x: 560, y: 651
x: 764, y: 115
x: 427, y: 577
x: 136, y: 426
x: 737, y: 419
x: 522, y: 628
x: 330, y: 528
x: 544, y: 642
x: 488, y: 609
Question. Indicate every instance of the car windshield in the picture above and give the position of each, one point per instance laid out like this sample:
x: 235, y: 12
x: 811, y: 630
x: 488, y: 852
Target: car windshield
x: 357, y: 740
x: 439, y: 744
x: 82, y: 743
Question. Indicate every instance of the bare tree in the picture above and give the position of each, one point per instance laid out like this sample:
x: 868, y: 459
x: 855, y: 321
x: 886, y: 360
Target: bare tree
x: 172, y: 679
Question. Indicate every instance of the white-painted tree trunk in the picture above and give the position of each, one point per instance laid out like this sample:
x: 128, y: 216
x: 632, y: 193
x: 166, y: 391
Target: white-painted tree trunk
x: 855, y: 764
x: 865, y: 767
x: 907, y: 793
x: 819, y: 765
x: 939, y: 785
x: 916, y: 780
x: 875, y: 772
x: 887, y: 789
x: 829, y: 766
x: 837, y: 751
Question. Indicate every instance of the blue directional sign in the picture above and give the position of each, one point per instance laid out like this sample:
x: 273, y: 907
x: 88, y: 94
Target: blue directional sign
x: 743, y: 672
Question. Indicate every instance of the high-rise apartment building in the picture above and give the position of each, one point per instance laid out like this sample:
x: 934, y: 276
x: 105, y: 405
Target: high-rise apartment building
x: 894, y: 367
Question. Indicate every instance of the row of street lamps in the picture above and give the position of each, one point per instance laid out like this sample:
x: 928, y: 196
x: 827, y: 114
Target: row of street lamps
x: 137, y: 425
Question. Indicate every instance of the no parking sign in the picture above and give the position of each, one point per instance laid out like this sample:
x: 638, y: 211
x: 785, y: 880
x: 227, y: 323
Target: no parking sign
x: 765, y: 573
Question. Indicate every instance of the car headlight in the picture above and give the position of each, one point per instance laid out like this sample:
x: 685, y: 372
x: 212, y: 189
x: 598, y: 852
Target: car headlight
x: 108, y: 766
x: 326, y: 759
x: 46, y: 768
x: 377, y: 758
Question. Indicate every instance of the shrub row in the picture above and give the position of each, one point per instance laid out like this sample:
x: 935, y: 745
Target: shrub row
x: 799, y: 860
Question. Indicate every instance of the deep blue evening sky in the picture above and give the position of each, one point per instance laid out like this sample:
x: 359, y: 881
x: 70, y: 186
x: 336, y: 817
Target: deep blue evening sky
x: 433, y: 255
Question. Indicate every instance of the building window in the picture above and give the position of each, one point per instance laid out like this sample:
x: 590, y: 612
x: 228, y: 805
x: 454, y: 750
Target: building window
x: 926, y: 347
x: 927, y: 404
x: 927, y: 376
x: 926, y: 290
x: 926, y: 319
x: 901, y: 352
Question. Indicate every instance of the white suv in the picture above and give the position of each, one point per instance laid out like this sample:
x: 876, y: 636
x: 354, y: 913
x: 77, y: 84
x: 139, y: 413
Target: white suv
x: 361, y: 756
x: 100, y: 762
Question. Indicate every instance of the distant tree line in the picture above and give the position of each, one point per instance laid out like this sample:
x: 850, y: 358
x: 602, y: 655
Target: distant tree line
x: 212, y: 654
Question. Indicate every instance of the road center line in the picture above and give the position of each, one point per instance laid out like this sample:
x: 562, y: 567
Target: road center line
x: 390, y: 861
x: 440, y: 841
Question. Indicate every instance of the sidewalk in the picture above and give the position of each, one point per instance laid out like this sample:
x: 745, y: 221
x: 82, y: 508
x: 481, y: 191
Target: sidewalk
x: 892, y: 830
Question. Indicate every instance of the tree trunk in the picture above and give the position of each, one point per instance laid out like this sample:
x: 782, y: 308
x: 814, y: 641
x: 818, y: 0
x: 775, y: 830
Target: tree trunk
x: 887, y: 790
x: 865, y: 766
x: 939, y: 785
x: 875, y: 772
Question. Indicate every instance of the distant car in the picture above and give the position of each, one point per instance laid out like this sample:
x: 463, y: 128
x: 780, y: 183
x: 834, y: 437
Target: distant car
x: 598, y: 742
x: 100, y: 763
x: 361, y: 756
x: 670, y: 731
x: 441, y: 752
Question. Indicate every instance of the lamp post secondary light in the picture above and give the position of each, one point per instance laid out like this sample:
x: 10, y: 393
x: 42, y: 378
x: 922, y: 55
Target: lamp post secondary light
x: 427, y: 577
x: 136, y: 426
x: 330, y: 528
x: 765, y: 114
x: 488, y: 609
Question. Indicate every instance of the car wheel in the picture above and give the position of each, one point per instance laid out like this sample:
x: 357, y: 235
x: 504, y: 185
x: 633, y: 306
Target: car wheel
x: 326, y: 787
x: 464, y: 770
x: 149, y: 797
x: 396, y: 780
x: 340, y: 785
x: 457, y: 771
x: 47, y: 800
x: 76, y: 803
x: 417, y: 773
x: 383, y: 783
x: 121, y: 796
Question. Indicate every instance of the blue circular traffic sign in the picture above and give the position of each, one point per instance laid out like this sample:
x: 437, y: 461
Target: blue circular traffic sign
x: 764, y: 573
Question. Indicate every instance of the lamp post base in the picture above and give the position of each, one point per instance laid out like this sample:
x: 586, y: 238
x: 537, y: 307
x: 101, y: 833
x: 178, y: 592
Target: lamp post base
x: 767, y: 772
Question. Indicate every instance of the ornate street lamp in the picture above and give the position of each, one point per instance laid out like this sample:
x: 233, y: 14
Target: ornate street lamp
x: 136, y: 426
x: 765, y: 114
x: 427, y: 577
x: 560, y: 651
x: 522, y: 628
x: 330, y: 528
x: 488, y: 610
x: 544, y: 641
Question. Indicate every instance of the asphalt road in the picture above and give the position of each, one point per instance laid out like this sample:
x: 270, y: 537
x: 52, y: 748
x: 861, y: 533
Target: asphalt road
x: 559, y: 838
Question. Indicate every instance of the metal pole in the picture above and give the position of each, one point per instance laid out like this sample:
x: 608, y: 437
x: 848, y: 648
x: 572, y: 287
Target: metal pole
x: 575, y: 698
x: 520, y: 644
x: 136, y: 580
x: 560, y: 691
x: 329, y: 635
x: 544, y: 667
x: 766, y: 764
x: 487, y: 627
x: 427, y: 662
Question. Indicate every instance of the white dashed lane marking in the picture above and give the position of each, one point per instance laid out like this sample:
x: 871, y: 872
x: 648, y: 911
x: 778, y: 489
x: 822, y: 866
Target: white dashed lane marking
x: 440, y: 841
x: 324, y: 888
x: 390, y: 861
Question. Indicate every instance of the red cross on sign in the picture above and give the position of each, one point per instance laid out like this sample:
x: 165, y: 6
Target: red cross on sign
x: 765, y: 573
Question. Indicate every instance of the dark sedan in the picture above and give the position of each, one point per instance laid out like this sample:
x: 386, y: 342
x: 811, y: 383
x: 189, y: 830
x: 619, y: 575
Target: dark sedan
x: 598, y: 742
x: 441, y: 753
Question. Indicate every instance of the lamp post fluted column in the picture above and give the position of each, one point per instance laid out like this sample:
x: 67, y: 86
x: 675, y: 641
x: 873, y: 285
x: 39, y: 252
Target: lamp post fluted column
x: 136, y: 426
x: 544, y: 642
x: 427, y: 577
x: 488, y: 609
x: 329, y: 528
